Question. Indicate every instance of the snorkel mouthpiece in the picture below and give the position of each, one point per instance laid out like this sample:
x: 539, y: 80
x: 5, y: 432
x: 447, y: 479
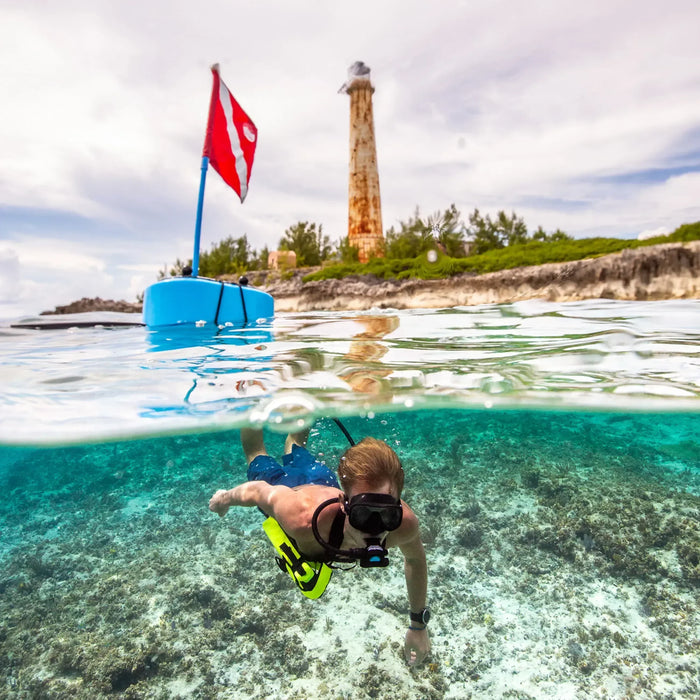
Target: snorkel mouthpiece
x: 374, y: 554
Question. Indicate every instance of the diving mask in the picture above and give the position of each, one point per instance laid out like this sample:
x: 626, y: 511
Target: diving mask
x: 373, y: 513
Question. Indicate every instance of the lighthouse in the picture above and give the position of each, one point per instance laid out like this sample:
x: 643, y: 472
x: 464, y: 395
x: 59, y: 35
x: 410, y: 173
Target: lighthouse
x: 364, y: 203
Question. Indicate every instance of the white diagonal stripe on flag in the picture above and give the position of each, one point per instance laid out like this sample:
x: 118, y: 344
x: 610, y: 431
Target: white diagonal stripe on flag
x: 241, y: 166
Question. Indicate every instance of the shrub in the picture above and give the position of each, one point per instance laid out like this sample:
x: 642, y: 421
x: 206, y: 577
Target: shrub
x: 519, y: 255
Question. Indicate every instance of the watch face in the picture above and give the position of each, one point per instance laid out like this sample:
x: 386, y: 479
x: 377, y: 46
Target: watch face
x: 423, y: 616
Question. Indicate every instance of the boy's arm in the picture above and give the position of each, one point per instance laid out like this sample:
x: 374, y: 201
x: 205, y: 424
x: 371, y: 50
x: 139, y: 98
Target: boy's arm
x: 417, y: 644
x: 416, y: 572
x: 251, y: 493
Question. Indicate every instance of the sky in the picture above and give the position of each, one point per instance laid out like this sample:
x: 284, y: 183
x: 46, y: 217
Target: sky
x: 579, y: 116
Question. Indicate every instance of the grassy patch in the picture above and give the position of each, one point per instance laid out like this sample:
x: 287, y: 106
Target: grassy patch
x: 532, y: 253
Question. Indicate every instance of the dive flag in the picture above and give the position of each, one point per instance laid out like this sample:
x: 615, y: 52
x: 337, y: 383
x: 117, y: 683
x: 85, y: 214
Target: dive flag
x: 231, y: 137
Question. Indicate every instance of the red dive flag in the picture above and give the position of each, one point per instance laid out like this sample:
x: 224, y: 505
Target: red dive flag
x: 231, y: 137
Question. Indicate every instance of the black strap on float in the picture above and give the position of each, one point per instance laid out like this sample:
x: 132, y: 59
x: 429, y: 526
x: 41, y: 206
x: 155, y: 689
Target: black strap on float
x: 295, y: 562
x: 245, y: 311
x: 218, y: 306
x: 221, y: 296
x: 345, y: 431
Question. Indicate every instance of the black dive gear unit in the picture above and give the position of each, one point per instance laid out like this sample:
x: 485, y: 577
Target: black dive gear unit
x: 370, y: 513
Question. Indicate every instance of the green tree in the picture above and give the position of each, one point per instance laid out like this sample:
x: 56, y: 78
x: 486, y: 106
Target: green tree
x: 491, y: 234
x: 230, y: 256
x: 541, y: 235
x: 483, y: 233
x: 448, y: 230
x: 308, y: 242
x: 418, y: 234
x: 259, y: 261
x: 512, y: 228
x: 409, y: 240
x: 559, y: 235
x: 345, y: 252
x: 175, y: 270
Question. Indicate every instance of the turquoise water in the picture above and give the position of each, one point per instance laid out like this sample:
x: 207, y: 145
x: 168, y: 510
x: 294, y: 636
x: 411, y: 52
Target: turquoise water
x: 551, y: 454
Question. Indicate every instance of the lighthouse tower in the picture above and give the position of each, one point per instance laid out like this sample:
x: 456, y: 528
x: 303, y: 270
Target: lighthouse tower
x: 364, y: 203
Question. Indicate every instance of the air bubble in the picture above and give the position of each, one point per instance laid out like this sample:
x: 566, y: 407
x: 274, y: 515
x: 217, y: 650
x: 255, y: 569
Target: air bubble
x: 288, y: 413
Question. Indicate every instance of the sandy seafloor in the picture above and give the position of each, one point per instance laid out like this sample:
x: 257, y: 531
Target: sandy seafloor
x: 563, y: 552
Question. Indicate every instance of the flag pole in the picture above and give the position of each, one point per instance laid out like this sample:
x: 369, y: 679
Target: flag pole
x: 205, y: 167
x: 198, y: 222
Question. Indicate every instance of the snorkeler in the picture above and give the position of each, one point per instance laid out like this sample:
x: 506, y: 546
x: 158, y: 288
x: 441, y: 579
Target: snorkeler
x: 314, y: 523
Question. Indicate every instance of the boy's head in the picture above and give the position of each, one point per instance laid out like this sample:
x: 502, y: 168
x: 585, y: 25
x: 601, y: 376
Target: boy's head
x: 372, y: 463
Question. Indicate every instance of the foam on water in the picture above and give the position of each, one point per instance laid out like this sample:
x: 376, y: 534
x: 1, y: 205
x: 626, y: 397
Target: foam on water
x: 94, y: 383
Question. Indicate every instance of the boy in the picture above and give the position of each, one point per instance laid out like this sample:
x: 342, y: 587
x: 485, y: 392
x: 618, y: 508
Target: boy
x: 363, y: 512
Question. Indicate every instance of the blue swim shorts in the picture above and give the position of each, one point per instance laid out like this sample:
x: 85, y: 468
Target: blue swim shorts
x: 298, y: 468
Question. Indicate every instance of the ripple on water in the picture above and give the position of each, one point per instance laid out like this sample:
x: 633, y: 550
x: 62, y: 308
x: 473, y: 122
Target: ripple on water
x: 80, y: 383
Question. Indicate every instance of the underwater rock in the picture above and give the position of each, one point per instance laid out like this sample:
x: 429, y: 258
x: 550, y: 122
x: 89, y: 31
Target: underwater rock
x: 470, y: 536
x: 471, y: 510
x: 209, y: 600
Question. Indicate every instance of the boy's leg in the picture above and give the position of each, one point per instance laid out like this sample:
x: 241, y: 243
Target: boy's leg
x: 252, y: 443
x: 296, y: 439
x: 302, y: 467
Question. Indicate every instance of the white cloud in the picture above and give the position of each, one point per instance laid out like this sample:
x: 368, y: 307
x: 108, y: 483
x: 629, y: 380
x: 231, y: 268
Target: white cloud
x: 653, y: 233
x: 42, y: 254
x: 37, y: 275
x: 9, y: 274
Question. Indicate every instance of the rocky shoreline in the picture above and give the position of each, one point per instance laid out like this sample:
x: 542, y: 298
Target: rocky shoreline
x: 95, y: 304
x: 666, y: 271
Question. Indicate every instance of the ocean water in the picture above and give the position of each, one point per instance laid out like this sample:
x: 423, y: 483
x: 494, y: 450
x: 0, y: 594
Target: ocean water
x: 551, y: 454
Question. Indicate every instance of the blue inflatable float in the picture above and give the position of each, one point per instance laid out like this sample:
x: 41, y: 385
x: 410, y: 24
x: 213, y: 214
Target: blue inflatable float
x: 203, y: 301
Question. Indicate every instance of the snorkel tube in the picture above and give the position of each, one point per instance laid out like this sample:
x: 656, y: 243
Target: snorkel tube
x: 373, y: 555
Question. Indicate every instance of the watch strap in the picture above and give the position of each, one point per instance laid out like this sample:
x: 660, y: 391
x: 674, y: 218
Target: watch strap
x: 421, y: 617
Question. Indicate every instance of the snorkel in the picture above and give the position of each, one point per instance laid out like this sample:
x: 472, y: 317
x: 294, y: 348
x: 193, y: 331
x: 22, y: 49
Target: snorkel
x: 371, y: 514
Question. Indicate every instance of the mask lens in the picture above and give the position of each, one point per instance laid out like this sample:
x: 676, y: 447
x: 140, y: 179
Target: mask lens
x: 375, y: 518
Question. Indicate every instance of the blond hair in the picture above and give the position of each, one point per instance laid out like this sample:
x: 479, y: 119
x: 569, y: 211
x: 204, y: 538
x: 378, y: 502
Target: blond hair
x: 372, y: 462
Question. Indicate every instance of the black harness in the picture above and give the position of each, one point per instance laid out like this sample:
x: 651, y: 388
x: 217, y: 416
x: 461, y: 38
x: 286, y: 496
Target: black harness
x: 335, y: 538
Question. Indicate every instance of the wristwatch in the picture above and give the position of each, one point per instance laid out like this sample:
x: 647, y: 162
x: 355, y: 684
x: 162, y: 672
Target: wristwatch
x: 422, y: 617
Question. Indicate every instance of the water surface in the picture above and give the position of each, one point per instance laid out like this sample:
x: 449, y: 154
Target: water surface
x: 90, y: 383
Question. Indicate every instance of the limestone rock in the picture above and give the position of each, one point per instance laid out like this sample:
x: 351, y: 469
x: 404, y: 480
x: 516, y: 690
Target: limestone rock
x: 666, y: 271
x: 95, y: 304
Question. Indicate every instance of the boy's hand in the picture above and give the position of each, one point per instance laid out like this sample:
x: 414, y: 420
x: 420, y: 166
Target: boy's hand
x: 417, y: 646
x: 219, y: 502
